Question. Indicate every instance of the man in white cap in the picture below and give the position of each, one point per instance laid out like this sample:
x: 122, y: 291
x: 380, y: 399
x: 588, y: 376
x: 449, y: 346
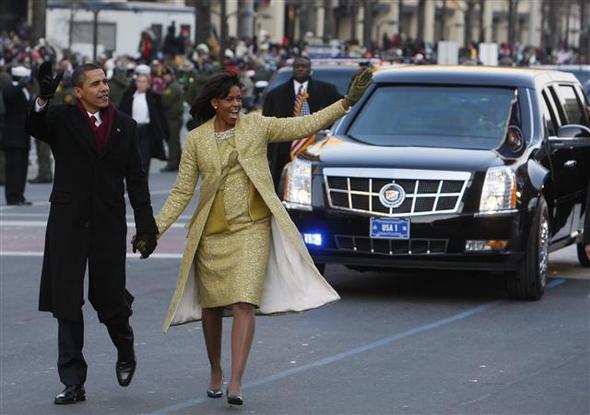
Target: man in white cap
x: 143, y: 69
x: 16, y: 142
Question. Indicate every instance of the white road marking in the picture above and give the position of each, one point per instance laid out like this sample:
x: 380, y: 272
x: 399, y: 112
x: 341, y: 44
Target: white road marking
x: 130, y: 255
x: 42, y: 224
x: 342, y: 356
x: 44, y: 215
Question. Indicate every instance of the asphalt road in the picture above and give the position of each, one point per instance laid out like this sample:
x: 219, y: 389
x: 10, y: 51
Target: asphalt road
x: 397, y: 343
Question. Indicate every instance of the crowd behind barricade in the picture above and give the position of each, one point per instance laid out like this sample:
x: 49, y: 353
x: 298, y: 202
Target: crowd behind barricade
x: 176, y: 70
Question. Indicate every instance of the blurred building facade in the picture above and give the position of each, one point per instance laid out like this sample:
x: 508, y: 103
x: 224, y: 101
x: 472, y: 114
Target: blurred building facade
x: 539, y: 23
x: 529, y: 22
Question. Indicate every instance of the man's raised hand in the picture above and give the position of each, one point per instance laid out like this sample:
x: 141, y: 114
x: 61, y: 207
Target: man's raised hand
x: 47, y: 83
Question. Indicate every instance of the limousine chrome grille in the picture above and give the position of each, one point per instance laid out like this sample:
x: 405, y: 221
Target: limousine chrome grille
x: 366, y: 245
x: 426, y: 192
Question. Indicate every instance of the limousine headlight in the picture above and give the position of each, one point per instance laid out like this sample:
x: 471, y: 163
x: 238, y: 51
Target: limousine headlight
x: 298, y: 184
x: 499, y: 191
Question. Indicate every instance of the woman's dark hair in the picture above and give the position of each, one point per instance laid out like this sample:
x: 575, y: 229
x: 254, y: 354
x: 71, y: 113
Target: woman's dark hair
x: 217, y: 86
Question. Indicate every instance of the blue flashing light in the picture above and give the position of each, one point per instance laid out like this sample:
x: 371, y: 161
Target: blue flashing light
x: 314, y: 239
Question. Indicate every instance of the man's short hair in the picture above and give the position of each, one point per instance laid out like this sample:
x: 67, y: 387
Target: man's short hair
x: 79, y: 74
x: 304, y: 57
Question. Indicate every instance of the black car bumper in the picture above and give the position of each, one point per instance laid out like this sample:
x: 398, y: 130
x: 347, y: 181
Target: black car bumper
x: 436, y: 242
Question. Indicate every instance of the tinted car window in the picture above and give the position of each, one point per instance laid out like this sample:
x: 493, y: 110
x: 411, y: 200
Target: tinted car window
x: 572, y: 106
x: 339, y: 76
x: 548, y: 118
x: 583, y: 76
x: 432, y: 116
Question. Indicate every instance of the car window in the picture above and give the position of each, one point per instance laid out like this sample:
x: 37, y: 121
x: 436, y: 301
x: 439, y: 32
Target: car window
x: 437, y: 116
x: 573, y: 109
x: 582, y: 95
x: 338, y: 77
x: 558, y: 109
x: 549, y: 120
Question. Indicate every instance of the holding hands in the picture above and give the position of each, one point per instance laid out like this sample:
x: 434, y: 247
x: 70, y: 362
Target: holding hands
x: 144, y: 243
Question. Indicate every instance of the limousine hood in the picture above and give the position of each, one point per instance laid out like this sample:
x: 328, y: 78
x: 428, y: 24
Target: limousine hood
x: 343, y: 153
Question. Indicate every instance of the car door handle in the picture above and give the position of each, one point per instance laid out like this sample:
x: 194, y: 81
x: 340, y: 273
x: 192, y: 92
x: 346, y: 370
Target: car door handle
x: 570, y: 164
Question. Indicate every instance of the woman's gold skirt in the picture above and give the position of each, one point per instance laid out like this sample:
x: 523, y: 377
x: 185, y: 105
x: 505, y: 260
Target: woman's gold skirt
x: 231, y: 265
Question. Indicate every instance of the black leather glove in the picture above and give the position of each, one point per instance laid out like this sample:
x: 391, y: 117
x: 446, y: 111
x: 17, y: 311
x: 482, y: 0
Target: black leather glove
x: 144, y: 243
x: 47, y: 83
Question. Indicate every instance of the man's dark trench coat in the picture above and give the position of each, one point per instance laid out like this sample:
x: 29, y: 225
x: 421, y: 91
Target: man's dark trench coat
x: 87, y: 221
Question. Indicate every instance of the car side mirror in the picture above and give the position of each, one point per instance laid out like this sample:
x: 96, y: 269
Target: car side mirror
x: 573, y: 131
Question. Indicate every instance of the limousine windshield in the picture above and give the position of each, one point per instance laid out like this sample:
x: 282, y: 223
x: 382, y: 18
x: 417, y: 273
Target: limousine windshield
x: 436, y: 116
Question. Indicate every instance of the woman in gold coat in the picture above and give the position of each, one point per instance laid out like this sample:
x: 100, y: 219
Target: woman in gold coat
x: 242, y: 252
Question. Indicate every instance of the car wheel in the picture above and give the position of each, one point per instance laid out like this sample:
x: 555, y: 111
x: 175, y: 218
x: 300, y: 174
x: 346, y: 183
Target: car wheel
x: 582, y: 257
x: 528, y: 282
x: 321, y: 267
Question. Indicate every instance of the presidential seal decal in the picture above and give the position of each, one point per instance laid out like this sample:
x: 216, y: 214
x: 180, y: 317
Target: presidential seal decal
x: 392, y: 195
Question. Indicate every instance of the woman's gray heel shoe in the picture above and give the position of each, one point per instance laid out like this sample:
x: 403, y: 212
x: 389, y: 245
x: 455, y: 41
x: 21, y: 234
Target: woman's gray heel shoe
x: 234, y: 399
x: 215, y: 393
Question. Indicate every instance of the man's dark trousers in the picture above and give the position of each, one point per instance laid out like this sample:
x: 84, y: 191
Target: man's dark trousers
x: 71, y: 365
x: 17, y: 164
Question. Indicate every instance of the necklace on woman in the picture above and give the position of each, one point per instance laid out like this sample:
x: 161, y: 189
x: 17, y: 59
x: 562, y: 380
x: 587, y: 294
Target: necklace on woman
x: 224, y: 135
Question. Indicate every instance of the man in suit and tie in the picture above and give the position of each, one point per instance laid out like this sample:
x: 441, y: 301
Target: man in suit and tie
x: 300, y: 95
x: 586, y: 240
x: 16, y: 140
x: 142, y: 104
x: 96, y: 158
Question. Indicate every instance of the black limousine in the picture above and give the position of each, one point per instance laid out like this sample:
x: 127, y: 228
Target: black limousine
x: 471, y: 168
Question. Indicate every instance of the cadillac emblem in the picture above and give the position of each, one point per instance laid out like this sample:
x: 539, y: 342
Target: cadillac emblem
x: 392, y: 195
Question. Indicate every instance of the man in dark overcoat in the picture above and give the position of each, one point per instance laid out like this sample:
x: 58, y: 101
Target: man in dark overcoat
x: 2, y: 158
x: 16, y: 140
x: 142, y: 104
x: 173, y: 106
x: 96, y: 158
x: 586, y: 239
x: 283, y: 102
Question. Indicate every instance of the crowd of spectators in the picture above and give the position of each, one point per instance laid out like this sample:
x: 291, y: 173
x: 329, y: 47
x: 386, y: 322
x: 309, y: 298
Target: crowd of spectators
x: 193, y: 63
x: 254, y: 59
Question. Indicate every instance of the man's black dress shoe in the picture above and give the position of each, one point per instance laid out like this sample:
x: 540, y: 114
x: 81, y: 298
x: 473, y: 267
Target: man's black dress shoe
x: 71, y: 394
x: 125, y: 371
x: 168, y: 169
x: 39, y: 180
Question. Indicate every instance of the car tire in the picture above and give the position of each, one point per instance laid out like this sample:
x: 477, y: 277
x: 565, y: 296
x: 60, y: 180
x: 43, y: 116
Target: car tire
x: 582, y: 257
x: 528, y: 282
x: 321, y: 267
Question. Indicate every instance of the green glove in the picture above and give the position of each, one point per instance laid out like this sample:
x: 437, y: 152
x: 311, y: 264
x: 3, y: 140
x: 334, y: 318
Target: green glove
x: 358, y: 86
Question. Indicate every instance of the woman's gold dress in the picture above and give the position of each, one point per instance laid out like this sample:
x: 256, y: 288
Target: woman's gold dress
x: 232, y: 256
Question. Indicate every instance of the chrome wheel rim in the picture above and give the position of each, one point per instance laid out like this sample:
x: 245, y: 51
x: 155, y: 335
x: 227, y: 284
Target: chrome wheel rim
x: 543, y: 250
